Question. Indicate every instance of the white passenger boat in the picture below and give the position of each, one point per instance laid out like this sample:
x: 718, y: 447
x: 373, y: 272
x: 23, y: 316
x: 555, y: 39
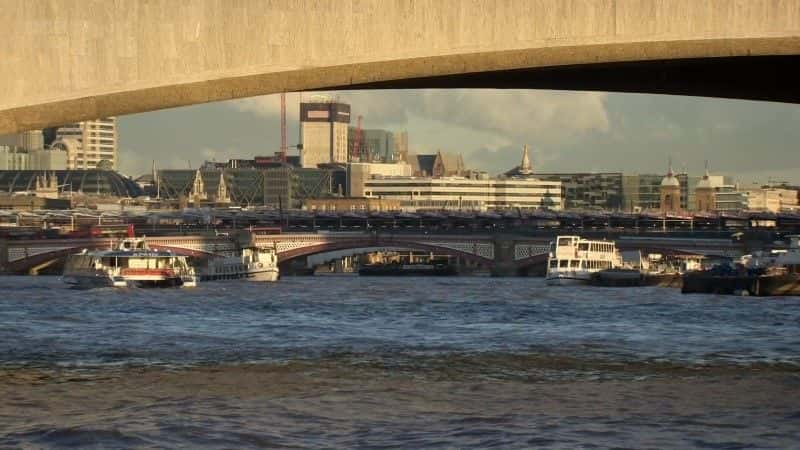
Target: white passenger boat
x: 131, y: 264
x: 253, y: 263
x: 573, y: 260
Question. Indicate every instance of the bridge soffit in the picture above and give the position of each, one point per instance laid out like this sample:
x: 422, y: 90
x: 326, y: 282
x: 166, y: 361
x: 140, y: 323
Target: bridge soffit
x: 482, y: 248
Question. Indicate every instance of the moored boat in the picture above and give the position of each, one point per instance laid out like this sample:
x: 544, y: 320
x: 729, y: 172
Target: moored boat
x: 251, y: 262
x: 131, y: 264
x: 573, y: 260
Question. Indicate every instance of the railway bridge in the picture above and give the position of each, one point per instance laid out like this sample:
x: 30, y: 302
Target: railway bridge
x: 499, y: 254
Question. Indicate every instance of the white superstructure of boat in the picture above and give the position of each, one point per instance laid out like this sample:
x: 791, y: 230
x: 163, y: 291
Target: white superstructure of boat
x: 131, y: 264
x: 253, y: 263
x: 573, y: 260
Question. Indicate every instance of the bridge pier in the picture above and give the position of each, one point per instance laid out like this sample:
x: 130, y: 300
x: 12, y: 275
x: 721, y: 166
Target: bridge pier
x: 3, y: 256
x: 504, y: 264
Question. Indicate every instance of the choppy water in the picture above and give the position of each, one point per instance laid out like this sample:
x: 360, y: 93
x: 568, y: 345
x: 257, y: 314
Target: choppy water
x: 395, y: 362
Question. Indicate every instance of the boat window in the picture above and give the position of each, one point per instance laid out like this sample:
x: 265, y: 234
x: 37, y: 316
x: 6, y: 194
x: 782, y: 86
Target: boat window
x: 563, y: 242
x: 575, y: 263
x: 583, y: 264
x: 584, y: 246
x: 563, y: 263
x: 554, y: 263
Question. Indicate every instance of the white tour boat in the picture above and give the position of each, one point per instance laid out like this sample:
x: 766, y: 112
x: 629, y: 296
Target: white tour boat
x: 573, y: 260
x: 253, y: 263
x: 131, y: 264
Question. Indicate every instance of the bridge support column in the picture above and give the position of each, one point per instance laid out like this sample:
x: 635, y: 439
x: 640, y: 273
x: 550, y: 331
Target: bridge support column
x: 3, y: 255
x: 504, y: 265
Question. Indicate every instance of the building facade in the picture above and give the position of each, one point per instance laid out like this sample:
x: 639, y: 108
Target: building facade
x: 358, y: 174
x: 642, y: 192
x: 279, y: 187
x: 324, y: 133
x: 459, y: 193
x: 771, y: 199
x: 16, y: 158
x: 97, y: 141
x: 589, y: 190
x: 375, y: 145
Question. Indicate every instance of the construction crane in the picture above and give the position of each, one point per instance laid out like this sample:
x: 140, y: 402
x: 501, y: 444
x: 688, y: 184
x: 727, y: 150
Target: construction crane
x: 284, y: 148
x: 355, y: 152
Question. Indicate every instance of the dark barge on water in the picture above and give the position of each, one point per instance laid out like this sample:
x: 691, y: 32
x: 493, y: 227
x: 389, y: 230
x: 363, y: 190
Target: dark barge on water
x: 767, y: 283
x: 776, y: 274
x: 635, y: 277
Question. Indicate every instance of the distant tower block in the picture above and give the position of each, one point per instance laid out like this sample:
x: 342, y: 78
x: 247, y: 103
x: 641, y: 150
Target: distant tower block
x: 325, y: 126
x: 670, y: 192
x: 704, y: 194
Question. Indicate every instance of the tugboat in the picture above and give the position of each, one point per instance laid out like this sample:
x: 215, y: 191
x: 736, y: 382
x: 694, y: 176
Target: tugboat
x: 131, y: 264
x: 253, y: 263
x: 773, y: 275
x: 574, y: 260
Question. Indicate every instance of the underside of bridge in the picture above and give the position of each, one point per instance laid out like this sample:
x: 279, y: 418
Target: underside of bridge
x: 769, y: 78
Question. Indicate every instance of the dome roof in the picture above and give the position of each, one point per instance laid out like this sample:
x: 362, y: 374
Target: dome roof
x: 91, y: 181
x: 704, y: 183
x: 670, y: 180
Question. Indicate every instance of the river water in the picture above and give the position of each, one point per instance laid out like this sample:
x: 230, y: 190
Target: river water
x: 320, y: 362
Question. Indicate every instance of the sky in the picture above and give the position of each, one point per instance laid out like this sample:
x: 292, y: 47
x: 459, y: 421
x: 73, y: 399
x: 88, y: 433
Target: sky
x: 756, y: 142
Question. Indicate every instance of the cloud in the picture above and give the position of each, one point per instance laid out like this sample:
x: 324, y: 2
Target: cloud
x: 567, y: 131
x: 513, y: 113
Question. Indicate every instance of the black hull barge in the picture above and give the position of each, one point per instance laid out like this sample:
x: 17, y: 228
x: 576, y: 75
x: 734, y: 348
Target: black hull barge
x: 760, y: 285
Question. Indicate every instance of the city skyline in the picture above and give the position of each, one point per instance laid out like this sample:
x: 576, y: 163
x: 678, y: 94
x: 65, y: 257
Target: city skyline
x: 567, y: 131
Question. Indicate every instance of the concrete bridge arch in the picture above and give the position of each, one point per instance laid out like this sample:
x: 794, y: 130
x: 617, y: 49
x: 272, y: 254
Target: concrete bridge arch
x: 59, y: 66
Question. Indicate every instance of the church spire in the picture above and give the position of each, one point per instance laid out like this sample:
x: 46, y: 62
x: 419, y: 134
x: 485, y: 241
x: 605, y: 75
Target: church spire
x: 525, y: 166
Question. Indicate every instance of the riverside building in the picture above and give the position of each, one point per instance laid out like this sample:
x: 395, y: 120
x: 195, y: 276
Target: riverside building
x: 461, y: 193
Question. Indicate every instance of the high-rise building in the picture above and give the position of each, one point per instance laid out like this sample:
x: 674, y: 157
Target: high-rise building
x: 324, y: 126
x: 376, y: 145
x: 97, y: 139
x: 401, y: 145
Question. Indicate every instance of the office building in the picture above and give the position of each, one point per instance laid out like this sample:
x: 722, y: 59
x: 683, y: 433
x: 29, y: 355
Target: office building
x: 14, y: 157
x: 97, y: 141
x: 771, y: 199
x: 460, y: 193
x: 588, y: 190
x: 374, y: 146
x: 359, y: 173
x: 401, y: 145
x: 324, y: 133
